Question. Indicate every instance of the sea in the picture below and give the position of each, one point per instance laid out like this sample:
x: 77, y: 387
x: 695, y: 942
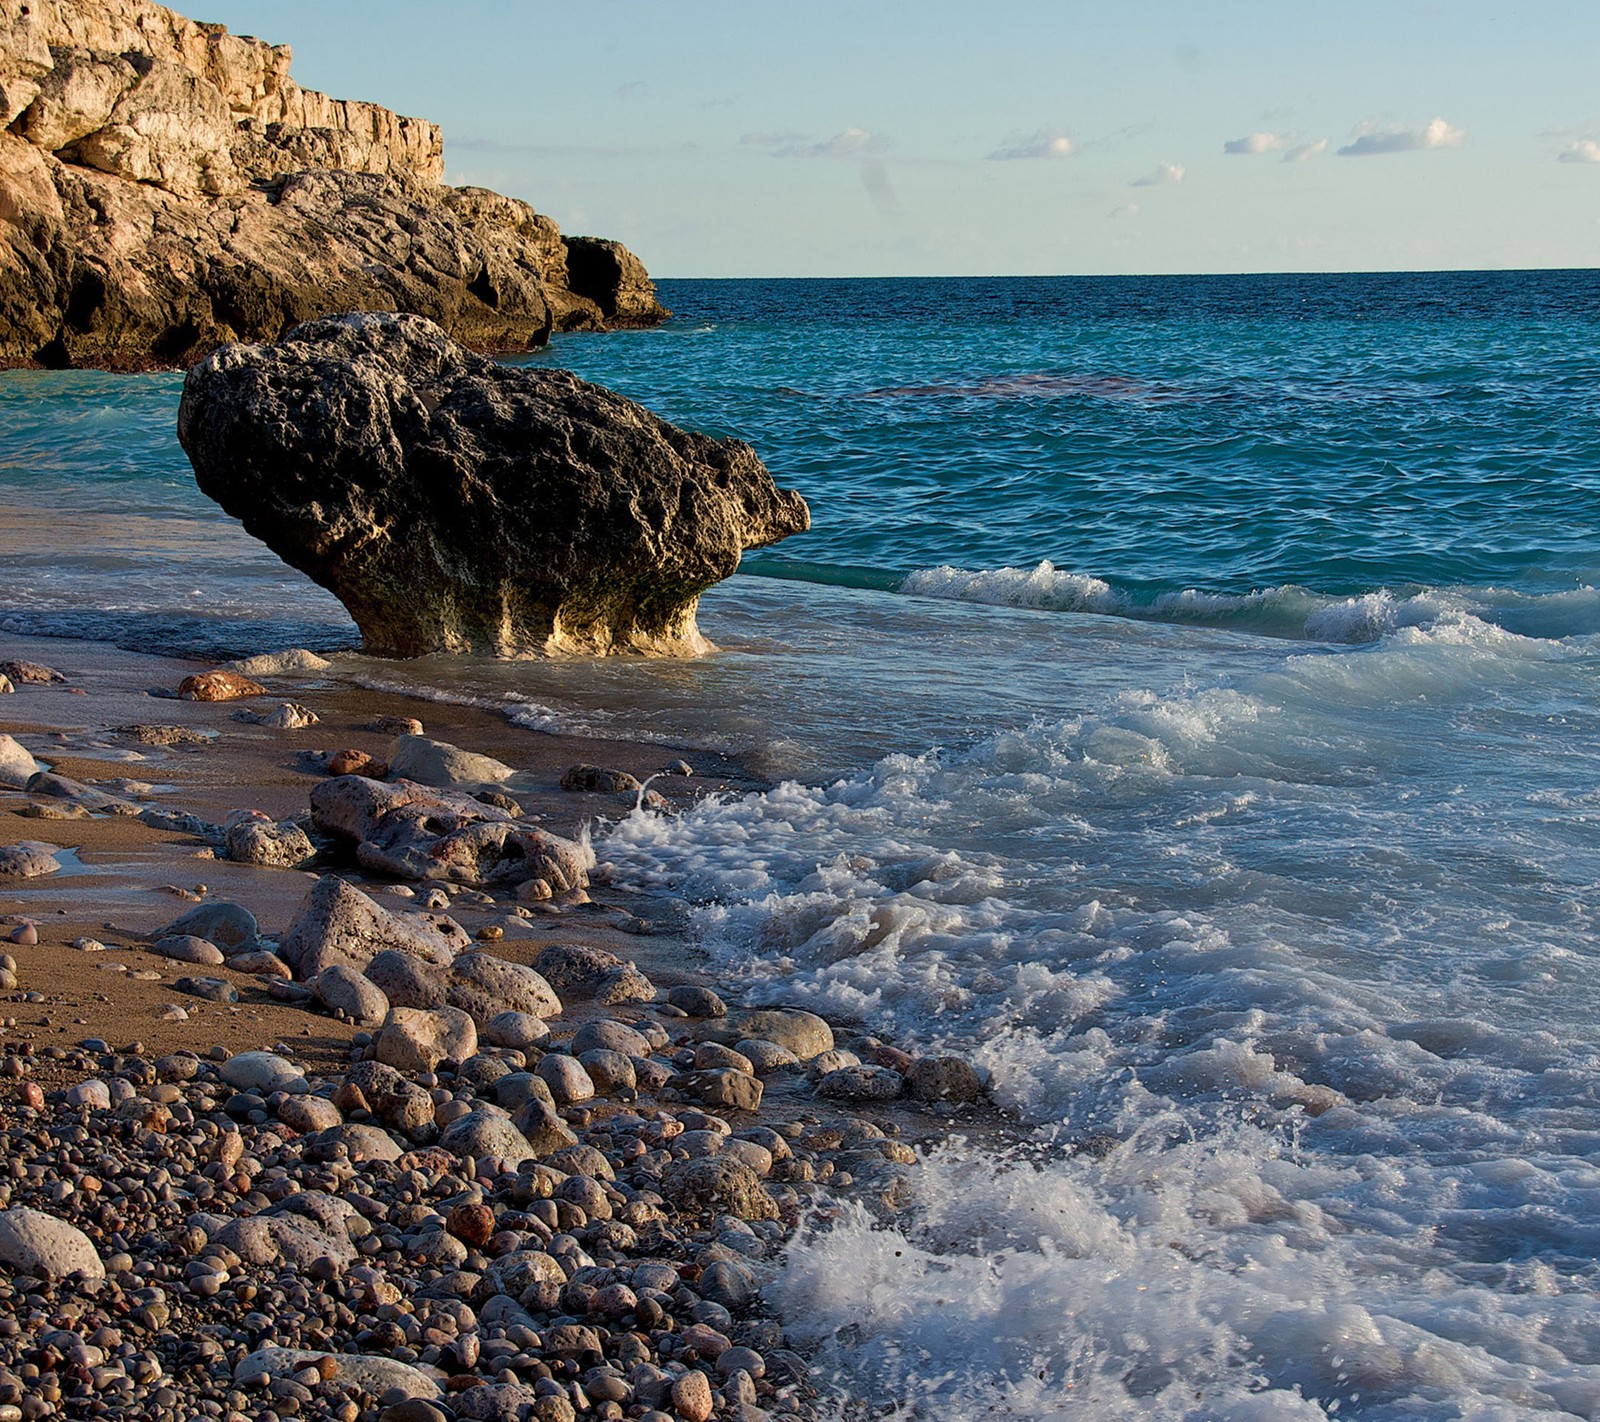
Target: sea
x: 1185, y: 707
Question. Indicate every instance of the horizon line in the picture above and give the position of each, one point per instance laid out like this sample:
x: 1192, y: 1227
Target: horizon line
x: 1144, y: 276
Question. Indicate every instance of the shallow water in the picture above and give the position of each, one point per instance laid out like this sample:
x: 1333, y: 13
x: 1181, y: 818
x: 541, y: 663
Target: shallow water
x: 1189, y: 693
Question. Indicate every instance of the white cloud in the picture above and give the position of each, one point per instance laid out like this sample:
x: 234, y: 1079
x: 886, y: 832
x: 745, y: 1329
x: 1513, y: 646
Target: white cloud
x: 1373, y: 138
x: 850, y: 143
x: 1253, y: 143
x: 1166, y: 175
x: 1126, y: 209
x: 1043, y: 143
x: 1305, y: 152
x: 1580, y: 150
x: 779, y: 138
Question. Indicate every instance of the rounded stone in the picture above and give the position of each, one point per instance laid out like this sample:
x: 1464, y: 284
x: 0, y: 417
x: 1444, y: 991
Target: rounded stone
x: 691, y: 1396
x: 521, y: 1031
x: 603, y: 1033
x: 32, y: 1242
x: 569, y: 1083
x: 264, y: 1072
x: 945, y: 1079
x: 187, y: 948
x: 697, y: 1001
x: 861, y: 1083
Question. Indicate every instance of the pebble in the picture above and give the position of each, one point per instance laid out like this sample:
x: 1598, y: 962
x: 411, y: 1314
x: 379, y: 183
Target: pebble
x: 448, y: 1226
x: 186, y: 948
x: 218, y: 686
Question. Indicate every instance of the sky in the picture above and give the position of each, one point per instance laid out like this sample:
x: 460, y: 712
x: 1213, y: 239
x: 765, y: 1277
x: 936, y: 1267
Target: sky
x: 998, y: 137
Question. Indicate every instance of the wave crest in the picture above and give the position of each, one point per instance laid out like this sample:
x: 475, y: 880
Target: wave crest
x: 1289, y: 610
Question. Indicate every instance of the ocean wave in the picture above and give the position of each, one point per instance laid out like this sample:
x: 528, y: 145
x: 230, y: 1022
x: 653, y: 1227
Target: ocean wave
x: 1288, y: 611
x: 1292, y: 1019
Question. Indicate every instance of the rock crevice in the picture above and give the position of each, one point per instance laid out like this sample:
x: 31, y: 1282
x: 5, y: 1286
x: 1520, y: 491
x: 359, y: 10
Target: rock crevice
x: 166, y: 187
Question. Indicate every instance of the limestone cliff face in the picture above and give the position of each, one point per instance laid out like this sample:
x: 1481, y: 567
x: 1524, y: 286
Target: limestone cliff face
x: 166, y: 187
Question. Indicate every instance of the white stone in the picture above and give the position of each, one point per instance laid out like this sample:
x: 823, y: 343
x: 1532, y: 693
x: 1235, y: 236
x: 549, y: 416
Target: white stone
x: 32, y: 1242
x: 440, y: 764
x: 264, y: 1072
x: 371, y: 1374
x: 17, y: 765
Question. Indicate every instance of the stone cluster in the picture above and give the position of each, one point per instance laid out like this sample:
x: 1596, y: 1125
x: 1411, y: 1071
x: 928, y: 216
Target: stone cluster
x: 449, y: 1228
x: 533, y: 1191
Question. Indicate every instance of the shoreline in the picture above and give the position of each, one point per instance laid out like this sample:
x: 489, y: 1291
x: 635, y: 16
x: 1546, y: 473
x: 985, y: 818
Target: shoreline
x: 127, y: 878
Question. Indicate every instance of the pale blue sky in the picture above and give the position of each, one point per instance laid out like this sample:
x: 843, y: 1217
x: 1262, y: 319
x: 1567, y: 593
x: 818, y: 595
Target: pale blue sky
x: 1008, y: 137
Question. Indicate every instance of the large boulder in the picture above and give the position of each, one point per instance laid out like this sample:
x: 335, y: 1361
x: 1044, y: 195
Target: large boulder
x: 166, y: 186
x: 338, y: 924
x: 455, y: 504
x: 411, y: 831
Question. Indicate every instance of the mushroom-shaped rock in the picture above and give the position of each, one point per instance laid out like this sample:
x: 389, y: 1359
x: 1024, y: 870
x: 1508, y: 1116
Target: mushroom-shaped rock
x: 455, y: 504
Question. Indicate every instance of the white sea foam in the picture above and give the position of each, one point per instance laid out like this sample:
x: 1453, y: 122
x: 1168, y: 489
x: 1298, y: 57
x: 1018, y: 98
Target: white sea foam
x: 1285, y: 611
x: 1287, y: 982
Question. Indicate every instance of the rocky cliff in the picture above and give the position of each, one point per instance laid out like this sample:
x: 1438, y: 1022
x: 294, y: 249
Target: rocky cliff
x: 166, y: 187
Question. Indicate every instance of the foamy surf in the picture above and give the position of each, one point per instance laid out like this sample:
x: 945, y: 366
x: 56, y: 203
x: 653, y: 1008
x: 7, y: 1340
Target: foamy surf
x: 1303, y: 1099
x: 1288, y: 611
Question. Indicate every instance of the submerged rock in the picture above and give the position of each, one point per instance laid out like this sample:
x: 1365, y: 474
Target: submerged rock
x: 454, y: 504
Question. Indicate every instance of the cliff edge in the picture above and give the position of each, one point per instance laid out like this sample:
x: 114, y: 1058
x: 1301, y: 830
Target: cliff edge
x: 166, y: 187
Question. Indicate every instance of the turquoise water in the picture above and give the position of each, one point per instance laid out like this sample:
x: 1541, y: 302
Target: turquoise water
x: 1185, y: 704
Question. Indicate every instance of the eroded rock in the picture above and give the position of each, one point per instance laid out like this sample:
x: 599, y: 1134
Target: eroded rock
x: 455, y: 504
